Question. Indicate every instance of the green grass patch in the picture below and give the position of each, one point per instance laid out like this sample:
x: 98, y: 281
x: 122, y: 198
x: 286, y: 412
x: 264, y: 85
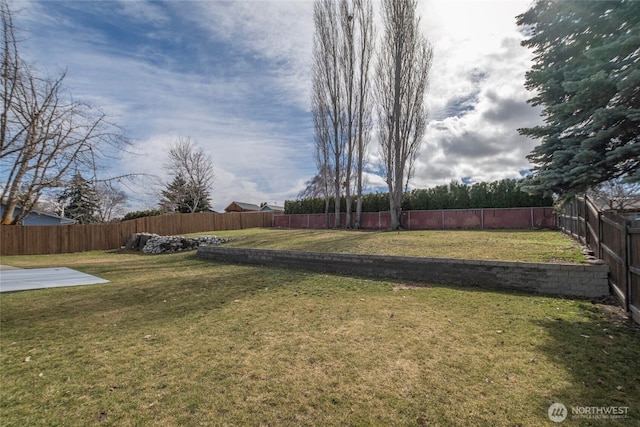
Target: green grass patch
x: 174, y: 340
x: 503, y: 245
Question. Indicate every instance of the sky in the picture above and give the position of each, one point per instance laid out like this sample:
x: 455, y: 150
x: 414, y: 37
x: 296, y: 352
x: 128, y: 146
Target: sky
x: 234, y: 77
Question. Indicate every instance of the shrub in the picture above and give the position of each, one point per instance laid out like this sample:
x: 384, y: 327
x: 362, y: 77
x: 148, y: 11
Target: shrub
x: 142, y: 214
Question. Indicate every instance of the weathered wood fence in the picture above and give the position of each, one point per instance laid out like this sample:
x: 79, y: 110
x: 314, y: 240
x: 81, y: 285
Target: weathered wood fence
x: 449, y: 219
x: 613, y: 238
x: 35, y: 240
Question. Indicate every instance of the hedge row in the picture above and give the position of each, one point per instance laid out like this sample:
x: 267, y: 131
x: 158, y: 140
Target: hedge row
x: 142, y: 214
x: 505, y: 193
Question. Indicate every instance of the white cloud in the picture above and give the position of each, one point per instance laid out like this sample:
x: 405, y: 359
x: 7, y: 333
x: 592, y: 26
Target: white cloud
x: 143, y: 11
x: 477, y: 98
x: 234, y: 76
x: 280, y: 32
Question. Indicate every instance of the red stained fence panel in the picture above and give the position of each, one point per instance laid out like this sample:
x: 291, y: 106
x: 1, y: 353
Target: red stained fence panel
x: 423, y: 220
x: 434, y: 220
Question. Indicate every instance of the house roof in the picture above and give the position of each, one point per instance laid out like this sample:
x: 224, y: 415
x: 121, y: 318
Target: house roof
x: 268, y: 207
x: 41, y: 218
x: 243, y: 206
x: 63, y: 220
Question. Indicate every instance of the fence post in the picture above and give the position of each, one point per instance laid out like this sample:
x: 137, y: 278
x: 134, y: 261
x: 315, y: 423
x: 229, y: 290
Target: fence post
x: 587, y: 235
x: 575, y: 221
x: 627, y: 264
x: 600, y: 233
x: 532, y: 220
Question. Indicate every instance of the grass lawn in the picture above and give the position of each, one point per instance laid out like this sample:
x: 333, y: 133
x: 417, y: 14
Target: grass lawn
x: 507, y: 245
x: 175, y: 340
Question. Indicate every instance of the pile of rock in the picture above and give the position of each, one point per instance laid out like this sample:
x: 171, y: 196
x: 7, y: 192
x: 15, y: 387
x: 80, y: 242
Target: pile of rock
x: 154, y: 244
x: 589, y: 255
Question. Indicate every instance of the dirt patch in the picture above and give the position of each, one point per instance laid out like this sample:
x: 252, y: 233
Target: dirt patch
x: 615, y: 313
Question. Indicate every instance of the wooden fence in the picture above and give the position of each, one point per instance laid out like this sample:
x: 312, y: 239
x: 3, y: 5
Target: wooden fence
x: 449, y: 219
x: 614, y: 239
x: 35, y: 240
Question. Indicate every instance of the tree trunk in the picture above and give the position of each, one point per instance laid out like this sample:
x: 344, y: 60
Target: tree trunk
x: 9, y: 209
x: 402, y: 72
x: 358, y: 219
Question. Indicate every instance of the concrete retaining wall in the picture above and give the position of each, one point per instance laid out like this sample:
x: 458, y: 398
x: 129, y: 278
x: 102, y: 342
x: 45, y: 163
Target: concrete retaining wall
x: 586, y: 281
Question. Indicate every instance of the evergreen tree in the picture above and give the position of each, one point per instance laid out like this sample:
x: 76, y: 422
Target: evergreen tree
x: 587, y: 77
x: 179, y: 196
x: 192, y: 172
x: 80, y: 201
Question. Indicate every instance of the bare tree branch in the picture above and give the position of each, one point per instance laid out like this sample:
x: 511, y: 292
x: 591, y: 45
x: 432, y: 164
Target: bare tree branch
x: 342, y: 53
x: 188, y: 161
x: 401, y: 82
x: 46, y: 136
x: 111, y: 201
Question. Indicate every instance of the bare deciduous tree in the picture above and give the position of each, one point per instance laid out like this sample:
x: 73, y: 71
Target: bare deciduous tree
x: 347, y: 72
x: 317, y: 187
x: 9, y: 72
x: 323, y: 146
x: 618, y: 194
x: 45, y: 136
x: 111, y: 201
x: 363, y: 15
x: 343, y: 47
x: 195, y: 167
x: 327, y: 92
x: 401, y: 82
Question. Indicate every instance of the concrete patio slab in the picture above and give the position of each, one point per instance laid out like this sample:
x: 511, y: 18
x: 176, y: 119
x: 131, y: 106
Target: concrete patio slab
x: 41, y: 278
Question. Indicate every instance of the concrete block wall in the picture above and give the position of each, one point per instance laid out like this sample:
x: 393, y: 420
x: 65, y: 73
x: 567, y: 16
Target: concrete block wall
x: 584, y: 280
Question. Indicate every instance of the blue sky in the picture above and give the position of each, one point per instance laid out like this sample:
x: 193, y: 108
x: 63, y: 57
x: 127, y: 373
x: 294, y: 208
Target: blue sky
x: 234, y: 77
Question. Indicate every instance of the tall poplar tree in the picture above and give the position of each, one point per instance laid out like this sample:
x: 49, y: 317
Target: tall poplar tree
x: 343, y: 47
x: 364, y: 49
x: 586, y: 75
x: 402, y: 74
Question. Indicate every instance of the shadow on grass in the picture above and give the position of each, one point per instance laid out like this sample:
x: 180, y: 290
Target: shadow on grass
x: 600, y: 356
x: 147, y: 290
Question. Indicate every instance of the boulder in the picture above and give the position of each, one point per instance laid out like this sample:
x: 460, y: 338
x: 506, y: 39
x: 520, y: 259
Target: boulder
x: 154, y: 244
x: 137, y: 241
